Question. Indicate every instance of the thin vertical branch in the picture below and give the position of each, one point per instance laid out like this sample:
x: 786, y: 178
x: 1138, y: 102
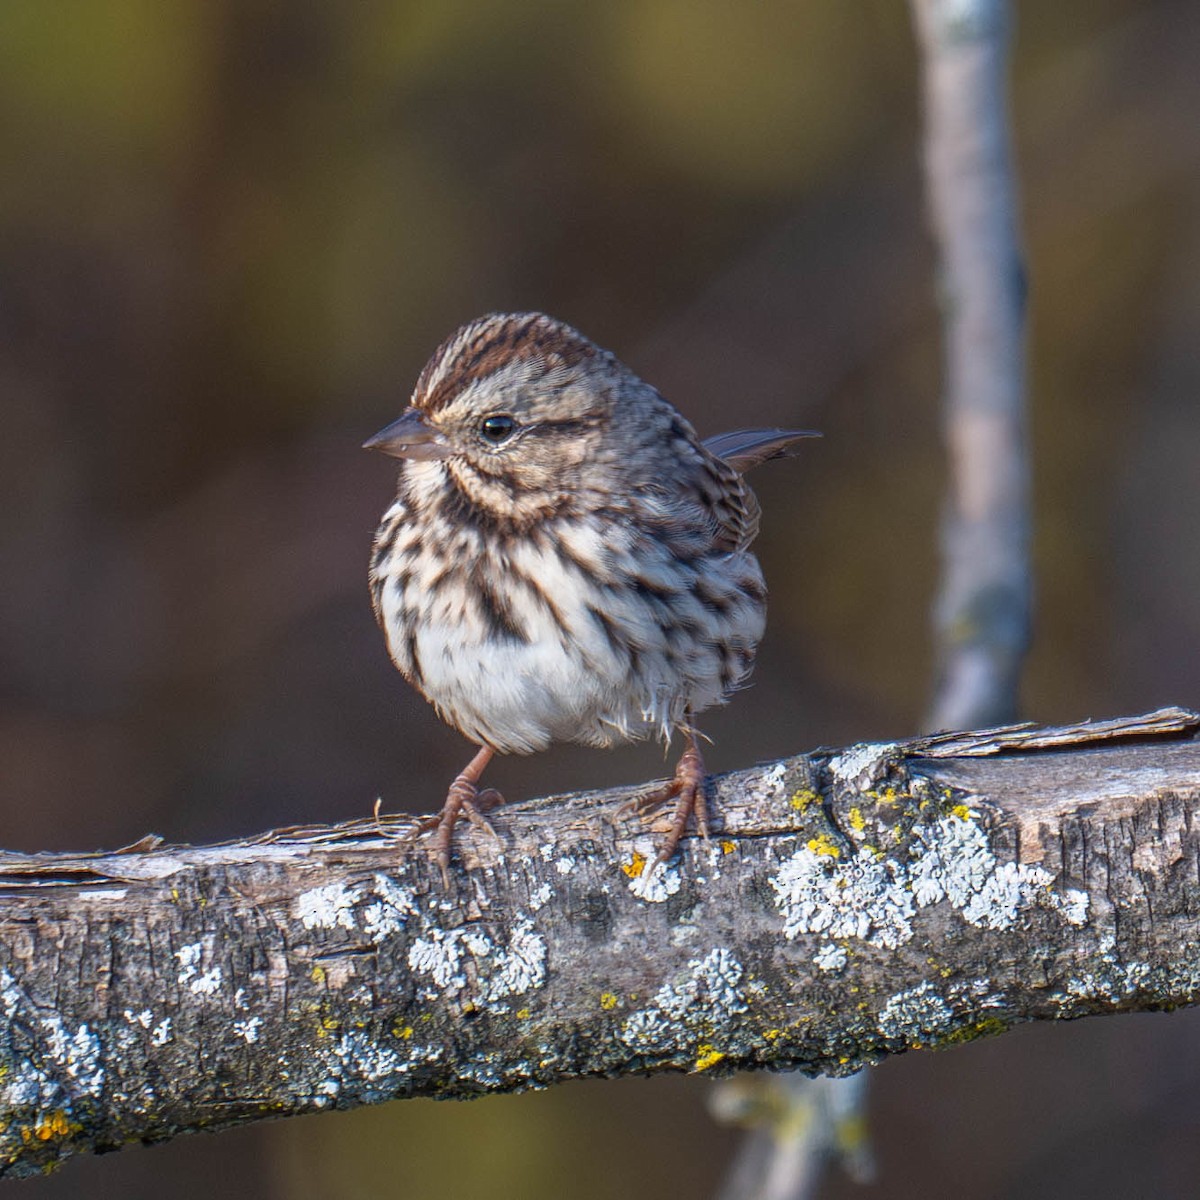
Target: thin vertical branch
x: 982, y: 612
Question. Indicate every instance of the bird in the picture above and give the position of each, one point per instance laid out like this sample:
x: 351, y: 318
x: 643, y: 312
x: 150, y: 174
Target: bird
x: 565, y: 559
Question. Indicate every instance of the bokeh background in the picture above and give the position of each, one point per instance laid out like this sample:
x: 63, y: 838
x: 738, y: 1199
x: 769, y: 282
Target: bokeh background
x: 231, y: 231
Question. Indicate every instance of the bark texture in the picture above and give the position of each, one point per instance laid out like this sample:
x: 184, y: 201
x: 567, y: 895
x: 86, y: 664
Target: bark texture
x: 851, y: 904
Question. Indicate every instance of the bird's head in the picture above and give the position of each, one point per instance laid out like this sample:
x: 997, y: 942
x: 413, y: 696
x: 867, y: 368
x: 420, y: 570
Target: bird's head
x: 516, y: 408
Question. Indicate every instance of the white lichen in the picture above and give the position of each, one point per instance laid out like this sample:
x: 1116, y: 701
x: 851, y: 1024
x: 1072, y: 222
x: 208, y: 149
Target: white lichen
x: 565, y: 865
x: 161, y: 1034
x: 719, y: 975
x: 647, y: 1029
x: 1074, y: 906
x: 438, y: 956
x: 829, y: 957
x: 711, y: 990
x: 356, y: 1056
x: 768, y: 785
x: 68, y: 1062
x: 862, y: 898
x: 497, y: 970
x: 248, y: 1029
x: 386, y: 916
x: 326, y: 907
x: 189, y: 961
x: 78, y: 1053
x: 208, y: 983
x: 518, y: 967
x: 657, y: 882
x: 916, y: 1015
x: 540, y: 897
x: 476, y: 941
x: 955, y: 862
x: 875, y: 899
x: 862, y: 765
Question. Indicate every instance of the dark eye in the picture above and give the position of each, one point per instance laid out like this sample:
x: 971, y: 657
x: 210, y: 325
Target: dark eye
x: 497, y: 428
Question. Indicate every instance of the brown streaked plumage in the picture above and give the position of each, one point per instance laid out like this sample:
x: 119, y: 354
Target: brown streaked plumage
x: 565, y: 559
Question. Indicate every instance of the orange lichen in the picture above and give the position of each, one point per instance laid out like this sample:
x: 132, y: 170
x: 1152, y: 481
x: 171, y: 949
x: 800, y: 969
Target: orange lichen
x: 635, y: 866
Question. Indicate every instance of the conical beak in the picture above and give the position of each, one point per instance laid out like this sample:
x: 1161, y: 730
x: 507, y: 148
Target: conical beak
x: 410, y: 436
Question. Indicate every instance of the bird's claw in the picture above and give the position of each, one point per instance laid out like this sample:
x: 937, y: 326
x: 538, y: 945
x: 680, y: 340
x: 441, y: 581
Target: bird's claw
x: 464, y: 798
x: 686, y: 788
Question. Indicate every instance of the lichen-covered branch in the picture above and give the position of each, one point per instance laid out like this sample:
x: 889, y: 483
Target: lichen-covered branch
x: 850, y: 905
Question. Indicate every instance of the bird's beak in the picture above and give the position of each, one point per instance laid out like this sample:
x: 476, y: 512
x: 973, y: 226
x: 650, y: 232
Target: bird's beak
x: 410, y: 436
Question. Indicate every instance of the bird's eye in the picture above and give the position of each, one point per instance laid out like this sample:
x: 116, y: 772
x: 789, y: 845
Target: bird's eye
x: 497, y: 428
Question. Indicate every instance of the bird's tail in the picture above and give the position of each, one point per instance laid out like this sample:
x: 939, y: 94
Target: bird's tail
x: 746, y: 448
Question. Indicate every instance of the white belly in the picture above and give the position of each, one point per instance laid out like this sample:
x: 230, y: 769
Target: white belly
x: 597, y: 661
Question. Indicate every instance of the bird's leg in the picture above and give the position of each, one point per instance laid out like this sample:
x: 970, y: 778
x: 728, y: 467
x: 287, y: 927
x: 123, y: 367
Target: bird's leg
x: 464, y: 796
x: 687, y: 789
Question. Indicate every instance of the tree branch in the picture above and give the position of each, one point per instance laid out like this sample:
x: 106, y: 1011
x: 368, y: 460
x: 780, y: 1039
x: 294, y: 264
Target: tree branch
x: 851, y: 904
x: 982, y: 611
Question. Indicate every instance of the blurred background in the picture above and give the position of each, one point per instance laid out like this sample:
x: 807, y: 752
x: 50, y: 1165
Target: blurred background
x: 232, y: 231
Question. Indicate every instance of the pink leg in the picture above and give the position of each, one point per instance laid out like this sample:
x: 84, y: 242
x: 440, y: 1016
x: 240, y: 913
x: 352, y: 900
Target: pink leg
x: 687, y: 789
x: 464, y: 796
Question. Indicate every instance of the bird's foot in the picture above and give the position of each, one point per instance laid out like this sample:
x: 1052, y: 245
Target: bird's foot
x: 465, y: 798
x: 686, y: 788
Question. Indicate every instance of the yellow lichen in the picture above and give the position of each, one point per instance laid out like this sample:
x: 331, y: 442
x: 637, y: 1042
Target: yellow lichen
x: 985, y: 1027
x: 961, y: 811
x: 727, y: 847
x: 857, y: 820
x: 404, y: 1032
x: 803, y: 799
x: 607, y: 1000
x: 522, y: 1014
x: 772, y: 1034
x: 824, y: 844
x: 707, y: 1057
x: 635, y: 866
x: 53, y: 1125
x: 317, y: 974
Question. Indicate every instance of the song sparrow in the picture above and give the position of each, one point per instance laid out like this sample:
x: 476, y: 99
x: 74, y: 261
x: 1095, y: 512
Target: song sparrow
x: 565, y: 559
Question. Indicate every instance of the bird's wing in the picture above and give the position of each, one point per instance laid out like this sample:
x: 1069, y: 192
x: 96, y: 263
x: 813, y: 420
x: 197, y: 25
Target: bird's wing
x: 746, y: 448
x: 734, y: 506
x: 708, y: 505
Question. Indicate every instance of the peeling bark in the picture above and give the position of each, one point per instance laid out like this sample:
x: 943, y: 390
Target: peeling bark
x: 851, y: 905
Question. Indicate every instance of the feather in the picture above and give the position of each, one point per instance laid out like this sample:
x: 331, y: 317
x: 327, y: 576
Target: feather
x: 746, y: 448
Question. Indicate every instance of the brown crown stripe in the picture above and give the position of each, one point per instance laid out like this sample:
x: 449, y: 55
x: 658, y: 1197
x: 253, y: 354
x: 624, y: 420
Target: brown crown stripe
x: 492, y: 342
